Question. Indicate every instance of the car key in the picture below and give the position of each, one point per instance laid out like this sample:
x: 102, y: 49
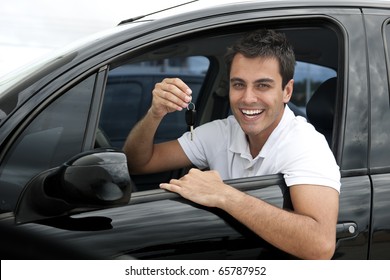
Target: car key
x: 191, y: 117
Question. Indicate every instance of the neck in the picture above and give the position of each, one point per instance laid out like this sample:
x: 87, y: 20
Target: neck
x: 256, y: 144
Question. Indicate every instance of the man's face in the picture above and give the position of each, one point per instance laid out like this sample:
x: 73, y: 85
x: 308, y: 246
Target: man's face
x: 256, y: 95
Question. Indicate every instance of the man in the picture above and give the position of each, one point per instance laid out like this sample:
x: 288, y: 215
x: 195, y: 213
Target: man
x: 263, y: 137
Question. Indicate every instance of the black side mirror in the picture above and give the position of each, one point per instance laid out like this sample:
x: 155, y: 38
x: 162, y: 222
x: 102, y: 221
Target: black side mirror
x: 92, y: 180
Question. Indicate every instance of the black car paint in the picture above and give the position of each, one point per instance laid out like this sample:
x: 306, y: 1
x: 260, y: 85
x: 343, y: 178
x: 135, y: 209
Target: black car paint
x: 160, y: 225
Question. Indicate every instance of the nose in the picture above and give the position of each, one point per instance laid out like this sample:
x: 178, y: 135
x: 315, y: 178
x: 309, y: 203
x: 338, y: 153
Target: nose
x: 248, y: 96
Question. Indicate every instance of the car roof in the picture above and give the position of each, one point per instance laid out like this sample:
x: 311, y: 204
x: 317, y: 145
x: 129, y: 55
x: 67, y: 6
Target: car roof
x: 201, y: 6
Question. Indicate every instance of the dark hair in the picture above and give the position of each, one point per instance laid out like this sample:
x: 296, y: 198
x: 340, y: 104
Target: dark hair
x: 265, y: 43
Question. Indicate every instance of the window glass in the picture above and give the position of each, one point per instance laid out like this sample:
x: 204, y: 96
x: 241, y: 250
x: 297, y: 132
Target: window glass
x: 307, y: 78
x: 129, y: 93
x: 53, y: 137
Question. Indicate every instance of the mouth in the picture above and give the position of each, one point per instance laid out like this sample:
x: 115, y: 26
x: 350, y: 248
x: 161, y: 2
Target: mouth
x: 251, y: 113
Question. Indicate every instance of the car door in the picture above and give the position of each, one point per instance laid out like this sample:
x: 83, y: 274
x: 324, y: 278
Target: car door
x: 378, y: 34
x: 212, y: 103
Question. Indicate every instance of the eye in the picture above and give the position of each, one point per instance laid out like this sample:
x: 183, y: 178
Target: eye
x: 262, y: 86
x: 238, y: 85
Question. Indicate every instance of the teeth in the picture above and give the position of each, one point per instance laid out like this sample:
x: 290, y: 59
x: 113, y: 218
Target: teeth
x: 252, y: 112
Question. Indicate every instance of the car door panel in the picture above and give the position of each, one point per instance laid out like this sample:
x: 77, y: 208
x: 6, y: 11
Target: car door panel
x: 380, y: 241
x: 378, y: 31
x: 162, y: 225
x: 354, y: 211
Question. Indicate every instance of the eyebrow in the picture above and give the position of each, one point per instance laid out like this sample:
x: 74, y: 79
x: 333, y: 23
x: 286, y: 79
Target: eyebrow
x: 236, y: 80
x: 258, y: 81
x: 264, y: 80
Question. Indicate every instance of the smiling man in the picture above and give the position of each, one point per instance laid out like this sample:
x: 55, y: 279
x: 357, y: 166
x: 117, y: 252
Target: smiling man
x: 262, y: 137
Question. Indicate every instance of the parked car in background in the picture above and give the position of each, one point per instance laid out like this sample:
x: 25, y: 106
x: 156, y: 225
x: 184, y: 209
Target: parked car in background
x: 63, y: 176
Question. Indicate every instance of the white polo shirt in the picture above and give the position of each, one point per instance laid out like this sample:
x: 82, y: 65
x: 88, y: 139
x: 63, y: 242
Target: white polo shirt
x: 294, y: 149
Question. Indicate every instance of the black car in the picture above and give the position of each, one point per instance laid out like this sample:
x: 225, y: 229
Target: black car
x: 63, y: 176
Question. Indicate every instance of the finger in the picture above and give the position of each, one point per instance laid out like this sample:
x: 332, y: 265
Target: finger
x: 170, y: 187
x: 176, y: 91
x: 179, y: 84
x: 169, y: 99
x: 165, y: 102
x: 174, y: 96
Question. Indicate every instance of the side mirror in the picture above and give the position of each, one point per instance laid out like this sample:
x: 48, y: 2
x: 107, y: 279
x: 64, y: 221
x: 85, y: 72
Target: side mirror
x: 92, y: 180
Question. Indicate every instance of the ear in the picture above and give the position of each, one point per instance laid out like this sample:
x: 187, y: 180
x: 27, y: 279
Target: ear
x: 287, y: 91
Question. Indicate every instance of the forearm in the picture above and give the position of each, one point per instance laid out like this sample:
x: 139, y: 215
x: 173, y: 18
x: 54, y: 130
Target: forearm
x: 294, y: 233
x: 138, y: 146
x: 308, y: 232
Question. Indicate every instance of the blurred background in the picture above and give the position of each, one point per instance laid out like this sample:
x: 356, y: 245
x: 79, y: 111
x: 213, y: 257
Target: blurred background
x: 29, y: 29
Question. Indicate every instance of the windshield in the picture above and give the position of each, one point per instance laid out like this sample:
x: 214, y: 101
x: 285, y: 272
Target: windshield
x: 20, y: 74
x: 13, y: 83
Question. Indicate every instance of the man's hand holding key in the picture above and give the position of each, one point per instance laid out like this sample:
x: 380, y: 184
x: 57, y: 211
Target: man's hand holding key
x: 170, y: 95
